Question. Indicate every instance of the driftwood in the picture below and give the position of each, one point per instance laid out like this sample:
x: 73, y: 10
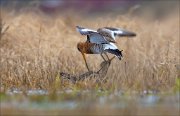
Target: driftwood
x: 100, y: 74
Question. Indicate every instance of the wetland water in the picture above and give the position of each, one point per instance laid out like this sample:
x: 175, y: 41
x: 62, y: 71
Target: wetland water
x: 90, y: 102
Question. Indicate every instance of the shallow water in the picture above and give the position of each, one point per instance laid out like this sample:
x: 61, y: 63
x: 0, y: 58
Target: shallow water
x: 85, y: 99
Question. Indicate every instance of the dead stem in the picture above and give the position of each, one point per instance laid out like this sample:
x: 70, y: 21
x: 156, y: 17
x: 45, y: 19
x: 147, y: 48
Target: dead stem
x: 100, y: 74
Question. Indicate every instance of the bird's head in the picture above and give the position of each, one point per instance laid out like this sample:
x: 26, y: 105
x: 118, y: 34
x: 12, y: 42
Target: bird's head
x: 80, y: 46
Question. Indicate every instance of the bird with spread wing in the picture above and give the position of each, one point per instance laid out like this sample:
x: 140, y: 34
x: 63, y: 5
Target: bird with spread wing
x: 101, y: 41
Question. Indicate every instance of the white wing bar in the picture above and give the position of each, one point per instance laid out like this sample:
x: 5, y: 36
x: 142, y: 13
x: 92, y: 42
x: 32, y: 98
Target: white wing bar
x: 84, y: 31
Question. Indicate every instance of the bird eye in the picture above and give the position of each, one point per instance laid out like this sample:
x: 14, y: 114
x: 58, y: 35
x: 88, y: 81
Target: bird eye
x: 78, y: 49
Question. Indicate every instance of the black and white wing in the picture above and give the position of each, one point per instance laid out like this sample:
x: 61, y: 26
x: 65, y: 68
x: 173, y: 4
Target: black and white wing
x: 120, y: 32
x: 85, y: 31
x: 112, y: 48
x: 96, y: 38
x: 110, y: 33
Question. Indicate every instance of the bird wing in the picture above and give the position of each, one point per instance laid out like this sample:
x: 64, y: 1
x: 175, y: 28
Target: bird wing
x: 92, y: 35
x: 84, y: 31
x: 112, y: 48
x: 108, y: 34
x: 96, y: 38
x: 120, y: 32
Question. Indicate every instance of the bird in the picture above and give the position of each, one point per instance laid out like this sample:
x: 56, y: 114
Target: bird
x: 101, y: 41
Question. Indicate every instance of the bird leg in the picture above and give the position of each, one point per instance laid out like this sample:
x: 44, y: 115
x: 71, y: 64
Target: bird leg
x: 107, y: 56
x: 85, y: 61
x: 103, y: 57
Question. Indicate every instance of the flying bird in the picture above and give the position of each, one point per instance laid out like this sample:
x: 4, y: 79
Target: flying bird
x: 101, y: 41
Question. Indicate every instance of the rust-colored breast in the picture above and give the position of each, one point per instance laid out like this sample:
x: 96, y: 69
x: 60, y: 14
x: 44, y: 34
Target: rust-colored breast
x: 87, y: 48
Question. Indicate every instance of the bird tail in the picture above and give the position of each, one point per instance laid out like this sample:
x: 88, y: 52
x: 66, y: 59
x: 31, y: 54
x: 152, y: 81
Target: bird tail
x: 116, y: 52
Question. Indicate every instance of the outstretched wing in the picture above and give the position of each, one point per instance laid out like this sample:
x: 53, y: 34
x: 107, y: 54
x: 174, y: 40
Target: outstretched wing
x: 96, y: 38
x: 84, y: 31
x: 92, y: 36
x: 120, y: 32
x: 110, y: 33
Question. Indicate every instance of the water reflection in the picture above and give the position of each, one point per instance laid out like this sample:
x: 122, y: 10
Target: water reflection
x: 73, y: 100
x: 149, y: 100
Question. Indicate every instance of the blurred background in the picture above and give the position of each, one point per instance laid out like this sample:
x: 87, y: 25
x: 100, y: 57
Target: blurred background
x: 159, y: 8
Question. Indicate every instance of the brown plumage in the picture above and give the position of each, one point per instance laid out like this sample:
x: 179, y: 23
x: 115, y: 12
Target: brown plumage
x: 85, y: 47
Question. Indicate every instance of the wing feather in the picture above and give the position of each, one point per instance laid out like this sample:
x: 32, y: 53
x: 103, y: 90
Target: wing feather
x: 108, y: 34
x: 84, y: 31
x: 120, y: 32
x: 97, y: 38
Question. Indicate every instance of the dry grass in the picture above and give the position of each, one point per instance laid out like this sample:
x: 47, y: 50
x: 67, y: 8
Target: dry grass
x: 36, y: 47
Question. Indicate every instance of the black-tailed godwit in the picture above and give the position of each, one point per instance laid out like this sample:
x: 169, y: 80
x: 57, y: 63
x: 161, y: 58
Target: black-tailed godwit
x: 101, y: 41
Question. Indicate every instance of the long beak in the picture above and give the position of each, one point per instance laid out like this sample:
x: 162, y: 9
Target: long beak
x: 85, y: 61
